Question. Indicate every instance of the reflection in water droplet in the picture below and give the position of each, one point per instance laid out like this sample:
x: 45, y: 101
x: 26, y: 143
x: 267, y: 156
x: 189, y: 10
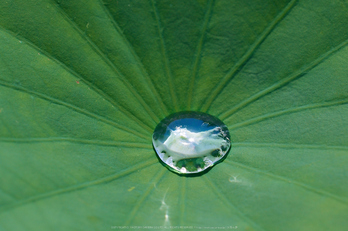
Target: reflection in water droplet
x: 190, y: 142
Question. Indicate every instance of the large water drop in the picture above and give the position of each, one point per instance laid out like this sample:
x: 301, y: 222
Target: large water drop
x: 190, y: 142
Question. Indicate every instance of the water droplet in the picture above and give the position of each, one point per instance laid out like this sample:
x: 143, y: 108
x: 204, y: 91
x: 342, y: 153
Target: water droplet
x: 191, y: 142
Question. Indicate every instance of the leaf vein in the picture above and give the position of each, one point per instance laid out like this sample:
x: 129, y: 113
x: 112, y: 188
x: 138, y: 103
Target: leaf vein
x: 198, y: 52
x: 75, y: 108
x: 278, y: 85
x: 147, y: 192
x: 245, y: 58
x: 81, y: 186
x: 85, y: 81
x: 165, y: 57
x: 183, y: 201
x: 227, y: 202
x: 80, y: 141
x: 114, y: 68
x: 291, y: 181
x: 291, y: 146
x: 259, y: 119
x: 136, y: 57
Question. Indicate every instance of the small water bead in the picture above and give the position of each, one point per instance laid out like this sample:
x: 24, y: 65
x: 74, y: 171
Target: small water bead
x: 190, y: 142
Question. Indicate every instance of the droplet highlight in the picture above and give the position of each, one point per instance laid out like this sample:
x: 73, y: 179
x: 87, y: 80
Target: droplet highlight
x: 191, y: 142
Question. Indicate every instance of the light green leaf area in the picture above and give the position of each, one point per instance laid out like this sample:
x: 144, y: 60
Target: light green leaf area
x: 83, y: 84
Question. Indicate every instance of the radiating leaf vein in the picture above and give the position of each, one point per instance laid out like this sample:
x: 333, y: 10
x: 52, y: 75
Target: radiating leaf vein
x: 165, y: 58
x: 74, y: 108
x: 286, y: 112
x: 289, y: 181
x: 183, y: 200
x: 198, y: 54
x: 79, y: 141
x: 146, y: 193
x: 278, y: 85
x: 245, y: 58
x: 291, y: 146
x: 226, y: 201
x: 84, y: 80
x: 136, y: 57
x: 114, y: 68
x: 81, y: 186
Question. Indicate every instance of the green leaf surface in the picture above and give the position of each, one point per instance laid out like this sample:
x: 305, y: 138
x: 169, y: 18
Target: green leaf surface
x: 83, y: 84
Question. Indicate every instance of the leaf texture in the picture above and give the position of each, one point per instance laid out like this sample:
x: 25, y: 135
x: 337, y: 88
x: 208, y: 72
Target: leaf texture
x: 84, y: 83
